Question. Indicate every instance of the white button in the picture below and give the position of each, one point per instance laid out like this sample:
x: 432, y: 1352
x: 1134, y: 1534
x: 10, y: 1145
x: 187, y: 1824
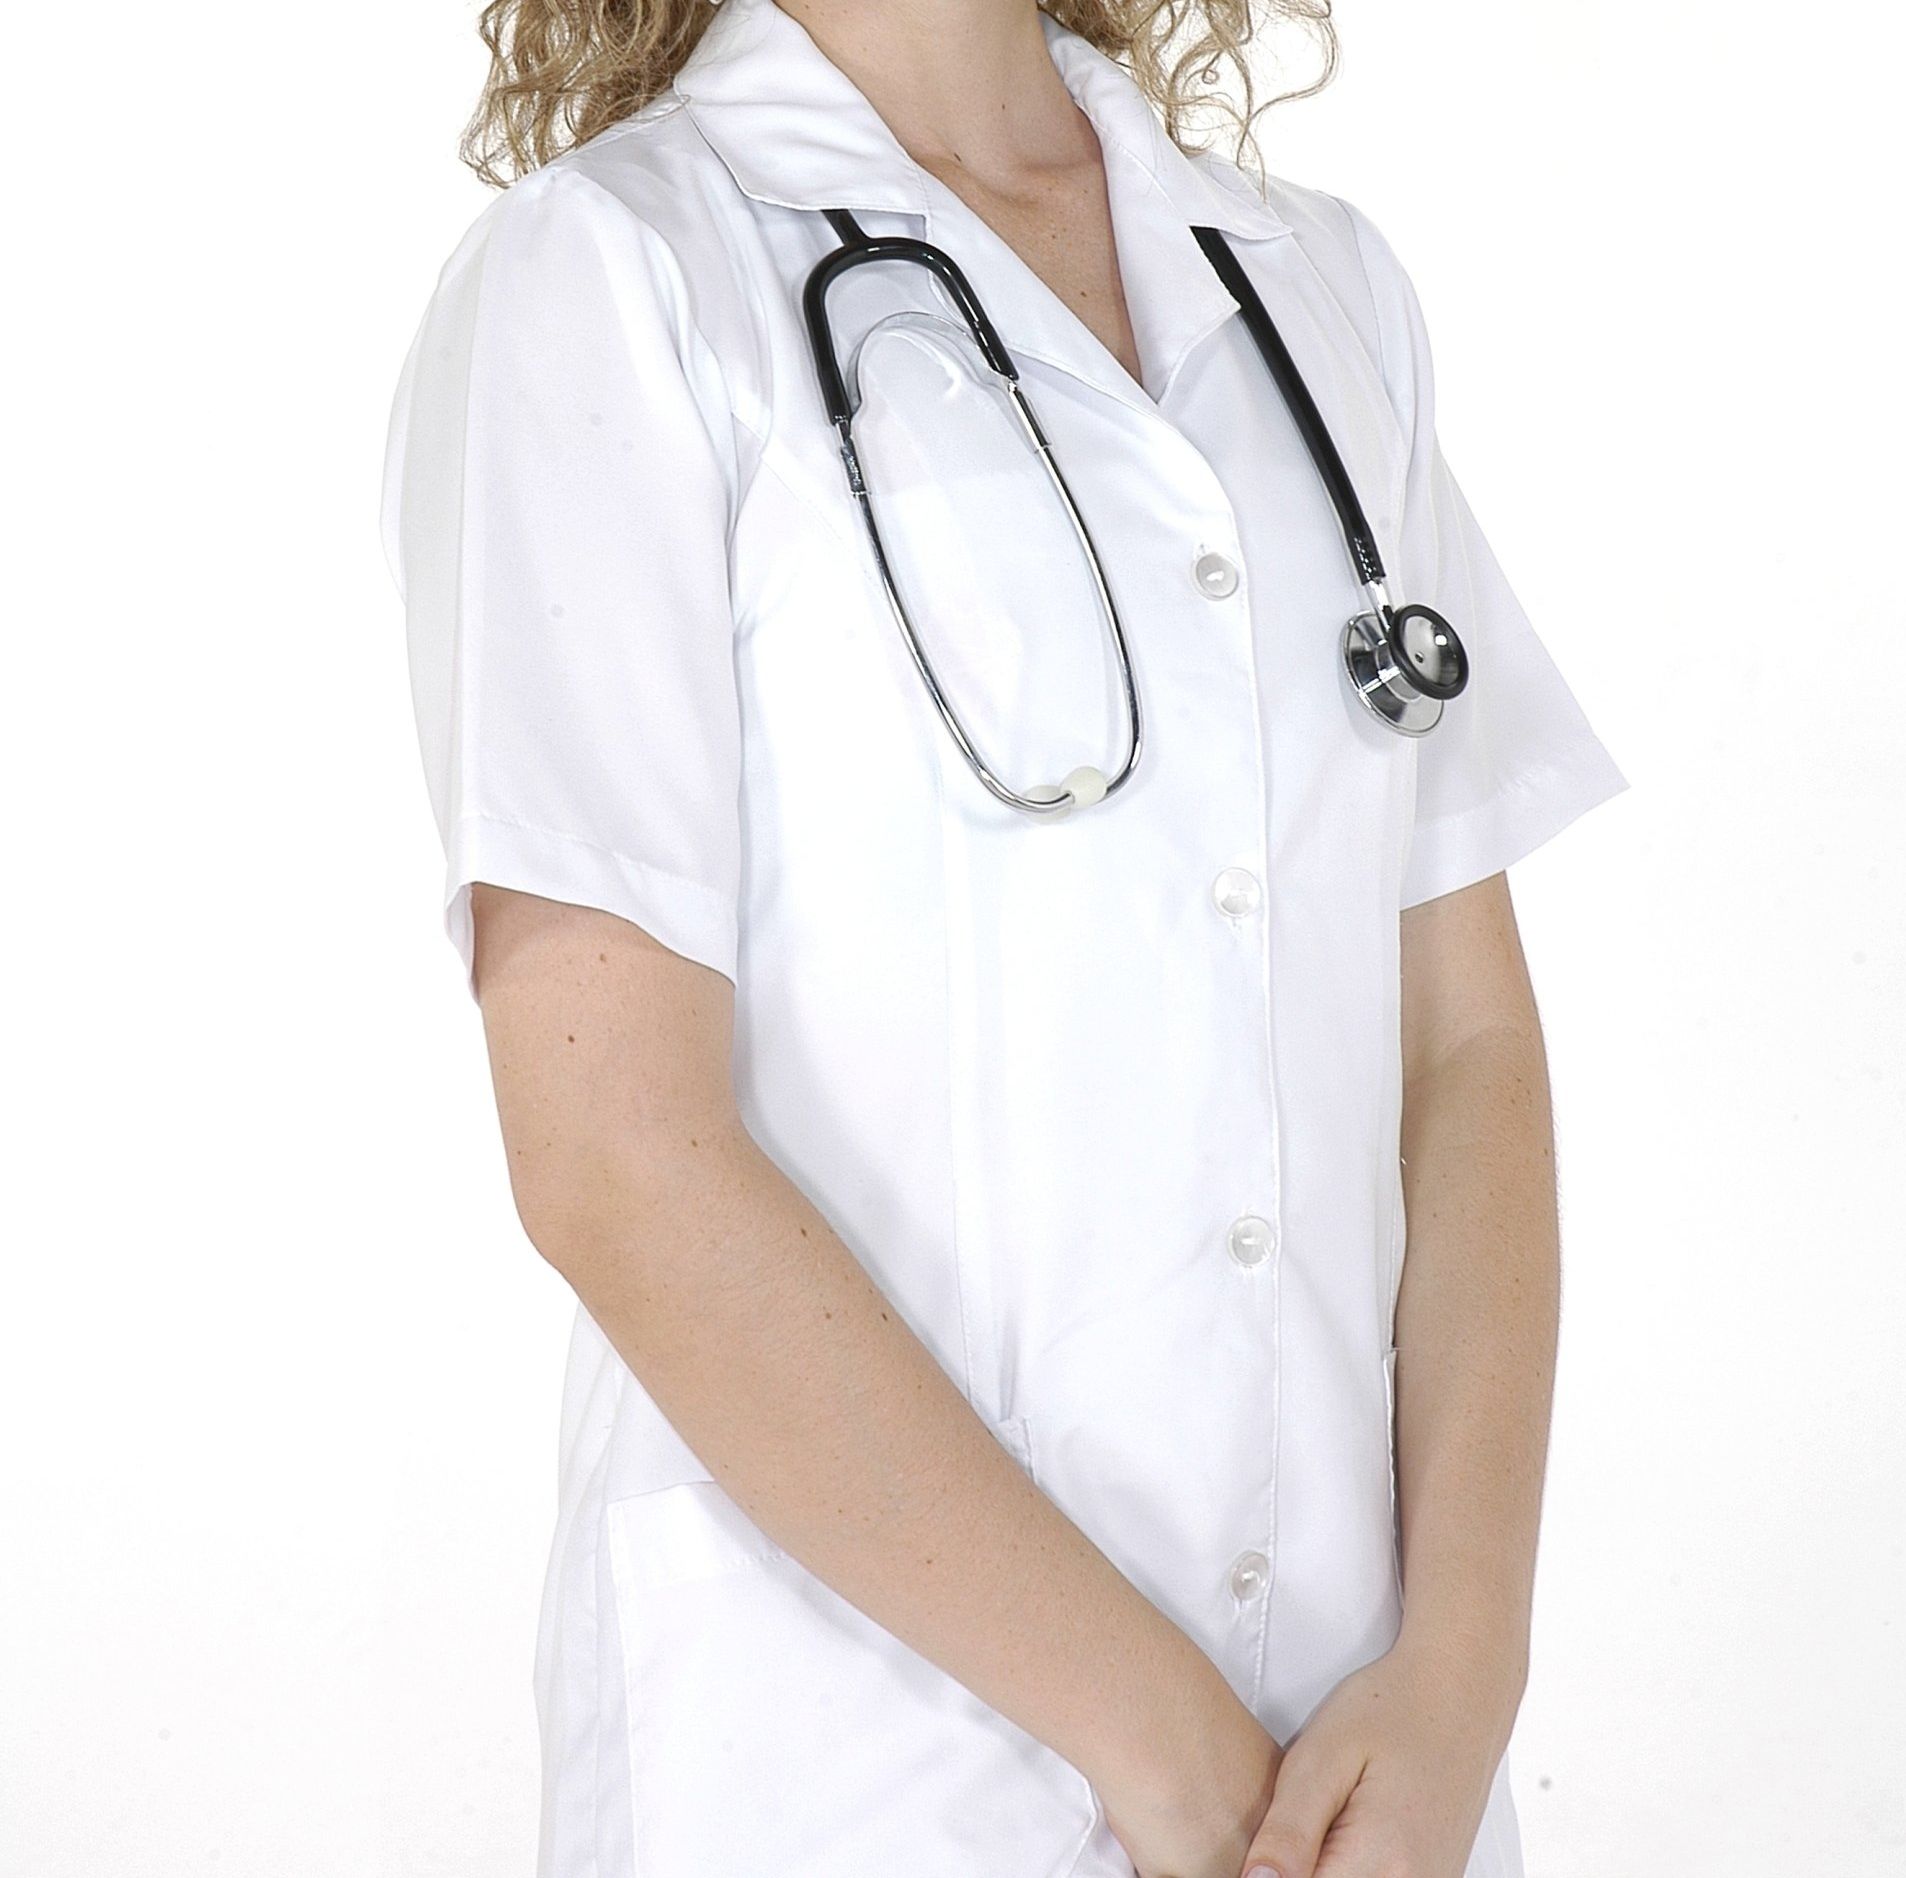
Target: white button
x: 1217, y: 578
x: 1236, y: 892
x: 1250, y: 1573
x: 1250, y: 1239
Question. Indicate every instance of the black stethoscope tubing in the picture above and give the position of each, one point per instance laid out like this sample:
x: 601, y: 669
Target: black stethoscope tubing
x: 1404, y: 662
x: 1358, y: 535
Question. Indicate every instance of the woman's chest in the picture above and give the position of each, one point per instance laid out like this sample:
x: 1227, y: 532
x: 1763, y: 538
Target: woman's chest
x: 1033, y: 580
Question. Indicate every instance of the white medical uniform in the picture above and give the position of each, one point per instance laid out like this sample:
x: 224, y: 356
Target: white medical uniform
x: 1109, y: 1107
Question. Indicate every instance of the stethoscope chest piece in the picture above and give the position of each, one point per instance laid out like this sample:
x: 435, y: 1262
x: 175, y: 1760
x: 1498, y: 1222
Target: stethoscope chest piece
x: 1405, y: 663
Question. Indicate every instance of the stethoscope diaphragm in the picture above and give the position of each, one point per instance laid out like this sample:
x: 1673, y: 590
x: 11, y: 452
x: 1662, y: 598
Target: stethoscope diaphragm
x: 1405, y: 663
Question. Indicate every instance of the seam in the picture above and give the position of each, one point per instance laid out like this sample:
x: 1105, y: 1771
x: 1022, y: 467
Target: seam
x: 628, y: 861
x: 955, y: 853
x: 647, y: 231
x: 466, y: 546
x: 599, y: 1749
x: 1369, y: 286
x: 747, y: 279
x: 1173, y: 365
x: 706, y: 1574
x: 1274, y: 1147
x: 1521, y: 782
x: 772, y: 451
x: 1391, y: 1453
x: 1399, y: 491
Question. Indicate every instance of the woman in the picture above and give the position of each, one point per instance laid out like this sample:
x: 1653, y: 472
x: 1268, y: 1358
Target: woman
x: 987, y: 1223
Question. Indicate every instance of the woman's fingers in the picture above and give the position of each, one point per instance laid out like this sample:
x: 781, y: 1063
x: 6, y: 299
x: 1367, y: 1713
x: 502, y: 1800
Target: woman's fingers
x: 1312, y: 1785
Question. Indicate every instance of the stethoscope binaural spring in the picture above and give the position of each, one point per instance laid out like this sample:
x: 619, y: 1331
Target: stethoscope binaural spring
x: 1403, y: 662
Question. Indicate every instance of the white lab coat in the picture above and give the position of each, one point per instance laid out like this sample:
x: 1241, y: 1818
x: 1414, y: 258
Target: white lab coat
x: 1108, y: 1107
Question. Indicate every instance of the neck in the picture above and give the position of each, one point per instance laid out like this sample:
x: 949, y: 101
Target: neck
x: 964, y: 85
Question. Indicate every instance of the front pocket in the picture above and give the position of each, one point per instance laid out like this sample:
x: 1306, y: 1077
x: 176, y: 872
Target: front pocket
x: 1015, y: 1434
x: 673, y: 1534
x: 1389, y: 1420
x: 773, y: 1726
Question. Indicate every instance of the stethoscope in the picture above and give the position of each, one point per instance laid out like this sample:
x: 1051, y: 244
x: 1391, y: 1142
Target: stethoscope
x: 1403, y: 662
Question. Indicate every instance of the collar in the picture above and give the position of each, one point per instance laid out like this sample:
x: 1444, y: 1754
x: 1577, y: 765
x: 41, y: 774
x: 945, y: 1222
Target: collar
x: 796, y: 131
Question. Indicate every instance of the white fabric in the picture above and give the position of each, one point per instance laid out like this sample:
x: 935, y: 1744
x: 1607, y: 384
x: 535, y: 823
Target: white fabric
x: 1033, y: 1073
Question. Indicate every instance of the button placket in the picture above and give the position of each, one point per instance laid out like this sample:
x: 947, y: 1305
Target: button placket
x: 1251, y: 1239
x: 1246, y: 1246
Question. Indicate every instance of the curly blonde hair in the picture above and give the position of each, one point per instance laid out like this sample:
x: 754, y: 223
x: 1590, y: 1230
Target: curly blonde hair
x: 562, y: 70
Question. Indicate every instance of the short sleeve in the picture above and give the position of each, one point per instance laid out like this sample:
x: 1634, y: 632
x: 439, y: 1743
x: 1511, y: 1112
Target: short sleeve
x: 1514, y: 759
x: 558, y: 487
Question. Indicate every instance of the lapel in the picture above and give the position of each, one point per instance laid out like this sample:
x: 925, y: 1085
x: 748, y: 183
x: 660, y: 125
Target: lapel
x: 795, y: 131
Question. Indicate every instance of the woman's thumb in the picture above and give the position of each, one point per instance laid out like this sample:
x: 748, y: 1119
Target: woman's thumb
x: 1309, y: 1794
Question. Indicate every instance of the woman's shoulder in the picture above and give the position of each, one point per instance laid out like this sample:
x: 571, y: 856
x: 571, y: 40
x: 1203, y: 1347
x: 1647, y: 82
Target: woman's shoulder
x: 1336, y: 235
x: 637, y: 219
x: 1350, y: 255
x: 648, y: 177
x: 656, y: 164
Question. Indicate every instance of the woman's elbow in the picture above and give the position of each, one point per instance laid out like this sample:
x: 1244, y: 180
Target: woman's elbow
x: 605, y: 1211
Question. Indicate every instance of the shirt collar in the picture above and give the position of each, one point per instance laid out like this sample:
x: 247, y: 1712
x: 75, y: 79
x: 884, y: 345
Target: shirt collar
x: 795, y: 130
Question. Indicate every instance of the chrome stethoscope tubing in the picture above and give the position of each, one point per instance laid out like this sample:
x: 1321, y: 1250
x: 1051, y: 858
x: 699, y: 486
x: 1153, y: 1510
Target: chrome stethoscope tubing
x: 1086, y: 784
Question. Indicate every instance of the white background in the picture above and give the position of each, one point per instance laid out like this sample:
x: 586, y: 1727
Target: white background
x: 278, y: 1372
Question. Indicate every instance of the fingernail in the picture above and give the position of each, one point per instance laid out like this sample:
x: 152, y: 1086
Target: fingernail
x: 1261, y: 1871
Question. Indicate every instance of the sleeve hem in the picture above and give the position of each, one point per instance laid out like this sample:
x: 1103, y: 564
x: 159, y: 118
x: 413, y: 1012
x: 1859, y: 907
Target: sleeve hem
x: 687, y: 916
x: 1458, y: 850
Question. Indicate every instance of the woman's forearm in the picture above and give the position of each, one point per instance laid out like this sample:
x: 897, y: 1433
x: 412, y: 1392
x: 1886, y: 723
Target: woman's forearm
x: 1476, y: 1338
x: 769, y: 1348
x: 767, y: 1345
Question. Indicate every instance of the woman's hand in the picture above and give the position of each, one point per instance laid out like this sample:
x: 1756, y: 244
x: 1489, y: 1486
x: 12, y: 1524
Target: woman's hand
x: 1391, y: 1775
x: 1191, y: 1813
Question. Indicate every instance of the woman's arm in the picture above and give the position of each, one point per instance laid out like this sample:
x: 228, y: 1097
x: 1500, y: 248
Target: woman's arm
x: 767, y: 1345
x: 1396, y: 1764
x: 1476, y: 1319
